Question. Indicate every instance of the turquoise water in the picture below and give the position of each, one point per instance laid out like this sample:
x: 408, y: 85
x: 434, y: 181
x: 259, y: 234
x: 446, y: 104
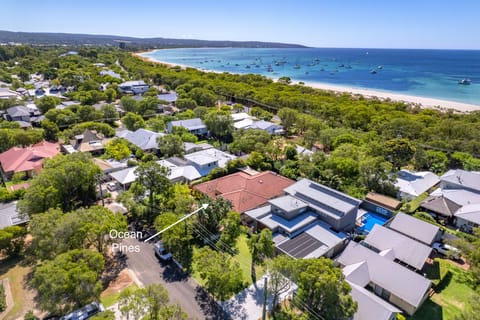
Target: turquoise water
x: 426, y: 73
x: 370, y: 219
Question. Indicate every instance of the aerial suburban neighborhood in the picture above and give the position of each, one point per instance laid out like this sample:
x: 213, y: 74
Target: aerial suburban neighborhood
x: 129, y: 185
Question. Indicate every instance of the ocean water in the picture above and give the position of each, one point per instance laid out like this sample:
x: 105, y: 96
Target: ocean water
x: 426, y: 73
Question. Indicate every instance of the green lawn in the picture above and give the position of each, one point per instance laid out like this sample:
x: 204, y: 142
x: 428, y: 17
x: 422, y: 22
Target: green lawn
x: 415, y: 203
x: 243, y: 257
x: 451, y: 291
x: 111, y: 299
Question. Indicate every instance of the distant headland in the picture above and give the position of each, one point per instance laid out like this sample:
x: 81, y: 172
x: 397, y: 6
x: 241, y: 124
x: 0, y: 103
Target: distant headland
x: 74, y: 39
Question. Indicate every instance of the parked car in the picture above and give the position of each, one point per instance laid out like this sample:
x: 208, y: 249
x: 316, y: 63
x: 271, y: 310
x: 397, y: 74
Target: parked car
x: 84, y: 313
x: 161, y: 252
x: 446, y: 250
x: 112, y: 186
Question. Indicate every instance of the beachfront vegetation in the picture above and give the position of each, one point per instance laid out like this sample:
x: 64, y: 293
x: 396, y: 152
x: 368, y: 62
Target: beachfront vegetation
x: 361, y: 142
x: 365, y: 139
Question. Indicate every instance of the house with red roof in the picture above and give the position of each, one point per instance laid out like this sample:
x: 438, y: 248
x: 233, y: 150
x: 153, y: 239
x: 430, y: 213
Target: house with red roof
x: 246, y: 191
x: 27, y: 160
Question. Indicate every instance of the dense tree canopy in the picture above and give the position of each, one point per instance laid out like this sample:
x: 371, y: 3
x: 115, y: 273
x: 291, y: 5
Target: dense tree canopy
x: 151, y: 303
x: 222, y: 275
x: 67, y: 182
x: 69, y: 281
x: 54, y: 232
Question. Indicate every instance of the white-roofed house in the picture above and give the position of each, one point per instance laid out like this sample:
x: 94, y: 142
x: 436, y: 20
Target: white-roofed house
x: 388, y: 280
x: 142, y: 138
x: 135, y: 87
x: 270, y: 127
x: 182, y: 174
x: 414, y: 228
x: 194, y: 126
x: 468, y: 217
x: 412, y: 184
x: 206, y: 160
x: 461, y: 179
x: 241, y: 116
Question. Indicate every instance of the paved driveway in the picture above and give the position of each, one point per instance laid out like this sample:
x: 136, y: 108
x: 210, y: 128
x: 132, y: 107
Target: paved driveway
x: 181, y: 288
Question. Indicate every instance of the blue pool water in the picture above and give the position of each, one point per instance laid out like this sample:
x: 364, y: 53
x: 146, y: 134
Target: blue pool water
x: 370, y: 219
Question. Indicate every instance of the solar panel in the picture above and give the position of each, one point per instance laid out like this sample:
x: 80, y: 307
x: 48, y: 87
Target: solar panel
x: 301, y: 245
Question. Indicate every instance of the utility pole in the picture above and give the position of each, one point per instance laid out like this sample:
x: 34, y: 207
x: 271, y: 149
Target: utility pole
x: 99, y: 180
x: 265, y: 295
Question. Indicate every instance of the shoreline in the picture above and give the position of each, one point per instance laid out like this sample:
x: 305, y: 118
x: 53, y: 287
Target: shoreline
x: 423, y: 102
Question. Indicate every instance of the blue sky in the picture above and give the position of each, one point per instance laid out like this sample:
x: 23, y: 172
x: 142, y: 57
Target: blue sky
x: 442, y: 24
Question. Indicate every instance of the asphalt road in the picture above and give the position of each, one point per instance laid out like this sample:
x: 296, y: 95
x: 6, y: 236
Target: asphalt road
x: 181, y: 288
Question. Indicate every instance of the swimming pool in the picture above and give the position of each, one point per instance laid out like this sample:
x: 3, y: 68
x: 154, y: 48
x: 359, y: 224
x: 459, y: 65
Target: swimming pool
x: 369, y: 219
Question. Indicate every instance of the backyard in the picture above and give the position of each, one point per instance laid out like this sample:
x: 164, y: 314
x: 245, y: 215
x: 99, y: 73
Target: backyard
x: 243, y: 257
x: 451, y: 286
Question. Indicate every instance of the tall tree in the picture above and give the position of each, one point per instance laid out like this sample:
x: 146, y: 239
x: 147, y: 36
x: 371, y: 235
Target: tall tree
x: 12, y: 240
x: 230, y: 229
x: 222, y: 275
x: 118, y: 149
x: 261, y: 247
x: 219, y: 123
x: 178, y: 238
x: 46, y: 103
x: 110, y: 113
x: 54, y: 232
x: 289, y: 117
x: 133, y: 121
x: 322, y: 287
x: 67, y: 181
x: 154, y: 178
x: 129, y: 104
x: 151, y: 303
x: 69, y: 281
x: 279, y: 272
x: 170, y: 145
x: 211, y: 217
x: 398, y: 152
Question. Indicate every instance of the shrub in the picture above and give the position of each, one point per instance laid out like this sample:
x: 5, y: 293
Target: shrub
x: 424, y: 216
x: 3, y: 298
x: 30, y: 316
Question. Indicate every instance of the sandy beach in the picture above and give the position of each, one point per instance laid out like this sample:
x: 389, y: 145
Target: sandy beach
x: 424, y: 102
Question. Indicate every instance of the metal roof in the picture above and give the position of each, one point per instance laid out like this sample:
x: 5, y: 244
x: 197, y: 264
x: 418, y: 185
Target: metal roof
x: 404, y: 248
x: 329, y: 201
x: 400, y: 281
x: 414, y: 228
x: 462, y: 179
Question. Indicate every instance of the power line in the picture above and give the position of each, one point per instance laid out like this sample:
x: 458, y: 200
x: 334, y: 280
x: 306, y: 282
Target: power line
x: 206, y: 234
